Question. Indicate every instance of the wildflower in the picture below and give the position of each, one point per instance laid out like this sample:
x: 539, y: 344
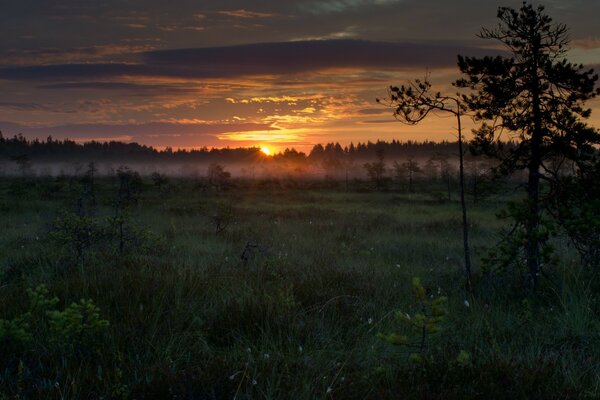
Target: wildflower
x: 266, y: 356
x: 370, y: 321
x: 254, y: 382
x: 329, y: 390
x: 467, y: 304
x: 300, y: 349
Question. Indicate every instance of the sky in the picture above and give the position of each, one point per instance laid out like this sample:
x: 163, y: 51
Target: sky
x: 275, y: 73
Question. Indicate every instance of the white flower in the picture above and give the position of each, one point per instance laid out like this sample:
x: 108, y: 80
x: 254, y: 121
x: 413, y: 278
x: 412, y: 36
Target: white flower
x: 266, y: 356
x: 467, y: 304
x: 329, y: 390
x: 370, y: 321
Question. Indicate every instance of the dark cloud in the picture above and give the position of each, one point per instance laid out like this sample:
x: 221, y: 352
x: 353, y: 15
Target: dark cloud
x: 130, y: 89
x: 15, y: 106
x: 145, y: 130
x: 374, y: 111
x: 258, y: 59
x: 242, y: 13
x: 69, y: 71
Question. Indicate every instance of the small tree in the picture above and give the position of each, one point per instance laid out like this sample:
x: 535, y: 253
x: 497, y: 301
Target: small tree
x: 445, y: 173
x: 159, y: 180
x: 127, y: 196
x: 217, y: 176
x: 412, y: 104
x: 536, y: 94
x: 23, y: 162
x: 88, y: 182
x: 407, y: 170
x: 376, y: 170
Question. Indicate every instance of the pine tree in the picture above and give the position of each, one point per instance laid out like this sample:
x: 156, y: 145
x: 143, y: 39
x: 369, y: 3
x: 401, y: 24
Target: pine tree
x: 536, y: 94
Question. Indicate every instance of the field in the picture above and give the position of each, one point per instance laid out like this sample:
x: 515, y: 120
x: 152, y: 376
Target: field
x: 273, y: 290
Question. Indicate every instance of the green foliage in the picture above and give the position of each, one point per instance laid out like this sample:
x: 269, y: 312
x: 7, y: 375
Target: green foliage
x: 577, y: 210
x: 32, y: 342
x: 77, y: 234
x: 15, y: 336
x: 43, y: 326
x: 76, y: 325
x: 430, y: 312
x: 463, y: 358
x: 509, y: 255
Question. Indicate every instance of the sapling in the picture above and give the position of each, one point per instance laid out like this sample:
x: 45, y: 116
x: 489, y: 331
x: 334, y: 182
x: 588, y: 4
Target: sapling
x: 425, y: 322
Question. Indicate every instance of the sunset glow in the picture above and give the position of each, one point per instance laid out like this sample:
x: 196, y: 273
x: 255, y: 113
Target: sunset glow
x: 265, y: 150
x: 220, y: 74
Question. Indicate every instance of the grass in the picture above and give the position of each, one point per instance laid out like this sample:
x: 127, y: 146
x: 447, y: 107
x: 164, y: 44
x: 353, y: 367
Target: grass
x: 299, y: 318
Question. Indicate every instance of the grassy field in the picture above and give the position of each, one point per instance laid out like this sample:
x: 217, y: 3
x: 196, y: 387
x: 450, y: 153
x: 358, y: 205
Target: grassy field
x: 276, y: 290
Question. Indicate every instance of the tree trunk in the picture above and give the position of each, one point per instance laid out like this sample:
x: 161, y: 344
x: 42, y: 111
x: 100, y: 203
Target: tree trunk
x: 464, y: 205
x: 533, y: 183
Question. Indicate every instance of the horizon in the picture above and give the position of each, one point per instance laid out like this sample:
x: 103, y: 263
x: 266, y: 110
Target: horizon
x: 270, y: 153
x: 233, y: 74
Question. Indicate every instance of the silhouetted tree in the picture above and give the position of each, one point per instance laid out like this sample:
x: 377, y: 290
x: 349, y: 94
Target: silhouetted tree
x: 23, y: 162
x: 407, y: 171
x: 217, y: 176
x: 441, y: 162
x: 576, y: 206
x: 127, y: 196
x: 536, y: 94
x: 88, y: 181
x: 376, y: 170
x: 412, y: 104
x: 159, y: 180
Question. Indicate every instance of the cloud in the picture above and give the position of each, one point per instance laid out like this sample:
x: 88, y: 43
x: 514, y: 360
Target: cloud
x: 187, y: 132
x: 374, y: 111
x: 15, y: 106
x: 282, y: 58
x: 245, y: 14
x: 588, y: 43
x: 338, y: 6
x: 46, y: 55
x: 126, y: 88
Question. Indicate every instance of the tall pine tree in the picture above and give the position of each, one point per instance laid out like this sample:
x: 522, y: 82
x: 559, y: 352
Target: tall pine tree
x: 536, y: 94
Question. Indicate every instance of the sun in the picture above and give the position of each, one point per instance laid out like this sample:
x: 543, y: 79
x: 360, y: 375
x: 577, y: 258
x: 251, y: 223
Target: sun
x: 265, y: 150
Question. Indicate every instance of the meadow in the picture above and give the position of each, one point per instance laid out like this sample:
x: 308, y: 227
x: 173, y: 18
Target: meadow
x: 277, y: 289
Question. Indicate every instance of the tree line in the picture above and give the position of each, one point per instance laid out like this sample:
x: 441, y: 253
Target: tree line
x: 51, y: 149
